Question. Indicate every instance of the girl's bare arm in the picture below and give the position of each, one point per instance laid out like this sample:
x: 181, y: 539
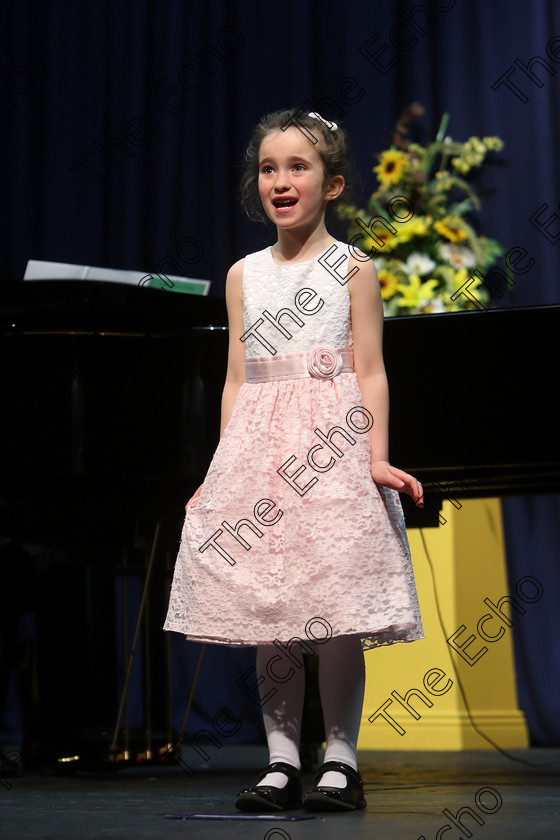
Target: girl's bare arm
x: 366, y: 309
x: 235, y: 375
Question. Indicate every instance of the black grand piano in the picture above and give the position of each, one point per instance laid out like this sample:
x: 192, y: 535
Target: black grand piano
x: 110, y: 405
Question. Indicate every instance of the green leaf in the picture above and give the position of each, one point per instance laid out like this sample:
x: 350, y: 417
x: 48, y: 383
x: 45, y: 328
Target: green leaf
x: 442, y: 127
x: 461, y: 208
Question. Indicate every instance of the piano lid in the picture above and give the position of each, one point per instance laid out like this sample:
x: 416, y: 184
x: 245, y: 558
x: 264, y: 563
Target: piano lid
x: 471, y: 399
x: 72, y: 307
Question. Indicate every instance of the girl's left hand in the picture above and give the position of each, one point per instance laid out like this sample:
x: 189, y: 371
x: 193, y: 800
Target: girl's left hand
x: 383, y: 473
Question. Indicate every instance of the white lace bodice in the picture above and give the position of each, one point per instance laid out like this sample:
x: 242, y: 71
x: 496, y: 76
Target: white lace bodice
x: 269, y: 288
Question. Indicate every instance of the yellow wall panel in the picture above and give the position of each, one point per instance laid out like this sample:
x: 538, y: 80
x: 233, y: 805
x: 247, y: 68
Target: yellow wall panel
x: 466, y: 565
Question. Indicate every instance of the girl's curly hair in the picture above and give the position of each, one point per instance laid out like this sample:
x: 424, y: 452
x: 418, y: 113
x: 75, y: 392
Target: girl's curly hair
x: 332, y: 146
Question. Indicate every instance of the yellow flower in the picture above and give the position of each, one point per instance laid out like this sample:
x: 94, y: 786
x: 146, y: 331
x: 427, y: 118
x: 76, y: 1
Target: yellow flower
x: 462, y: 275
x: 369, y: 245
x: 493, y: 143
x: 460, y: 278
x: 476, y: 144
x: 415, y: 292
x: 452, y: 228
x: 443, y: 184
x: 417, y: 226
x: 461, y: 165
x: 392, y: 166
x: 389, y: 283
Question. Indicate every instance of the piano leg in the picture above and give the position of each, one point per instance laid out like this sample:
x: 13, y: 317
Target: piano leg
x: 113, y: 748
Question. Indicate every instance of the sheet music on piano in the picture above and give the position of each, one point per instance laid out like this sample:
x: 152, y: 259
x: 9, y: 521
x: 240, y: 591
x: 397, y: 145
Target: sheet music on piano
x: 46, y: 270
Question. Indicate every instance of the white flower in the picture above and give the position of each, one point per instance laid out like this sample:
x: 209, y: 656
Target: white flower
x: 417, y: 263
x: 458, y: 256
x: 434, y: 305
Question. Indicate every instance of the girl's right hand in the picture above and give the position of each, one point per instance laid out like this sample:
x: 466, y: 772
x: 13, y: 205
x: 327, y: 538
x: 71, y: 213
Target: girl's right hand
x: 192, y: 500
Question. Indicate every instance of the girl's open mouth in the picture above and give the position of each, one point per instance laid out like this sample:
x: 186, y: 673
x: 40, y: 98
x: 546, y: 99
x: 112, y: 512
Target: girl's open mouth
x: 283, y: 205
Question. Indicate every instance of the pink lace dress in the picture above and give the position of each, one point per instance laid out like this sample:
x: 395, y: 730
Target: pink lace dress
x: 291, y: 537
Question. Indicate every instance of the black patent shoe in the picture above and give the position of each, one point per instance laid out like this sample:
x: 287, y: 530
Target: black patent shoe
x: 269, y: 798
x: 349, y: 798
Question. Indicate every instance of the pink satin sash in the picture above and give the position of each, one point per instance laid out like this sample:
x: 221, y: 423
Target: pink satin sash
x: 320, y: 363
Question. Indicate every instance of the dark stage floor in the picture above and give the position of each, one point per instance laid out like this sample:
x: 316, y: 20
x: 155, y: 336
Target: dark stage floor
x: 407, y: 794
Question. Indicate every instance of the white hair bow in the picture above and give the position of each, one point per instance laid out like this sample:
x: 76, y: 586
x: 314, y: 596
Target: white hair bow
x: 332, y: 126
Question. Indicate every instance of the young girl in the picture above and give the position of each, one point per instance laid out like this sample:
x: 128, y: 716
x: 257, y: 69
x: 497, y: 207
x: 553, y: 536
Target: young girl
x: 296, y: 542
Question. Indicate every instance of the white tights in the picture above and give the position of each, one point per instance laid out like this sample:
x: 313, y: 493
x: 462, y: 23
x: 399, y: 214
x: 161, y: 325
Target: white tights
x: 341, y: 686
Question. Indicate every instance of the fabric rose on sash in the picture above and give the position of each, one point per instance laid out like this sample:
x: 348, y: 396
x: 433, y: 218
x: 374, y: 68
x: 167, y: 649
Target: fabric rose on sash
x: 324, y: 362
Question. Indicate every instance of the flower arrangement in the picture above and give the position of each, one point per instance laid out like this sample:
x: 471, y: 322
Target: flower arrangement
x: 429, y: 257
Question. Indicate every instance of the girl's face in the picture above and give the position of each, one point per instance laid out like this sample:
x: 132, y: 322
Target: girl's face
x: 292, y: 184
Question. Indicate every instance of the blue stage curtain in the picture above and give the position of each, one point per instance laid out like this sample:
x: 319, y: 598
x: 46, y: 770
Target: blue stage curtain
x: 533, y: 549
x: 124, y: 123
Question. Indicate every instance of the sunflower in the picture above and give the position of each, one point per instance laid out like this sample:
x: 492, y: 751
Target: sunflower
x: 388, y: 282
x: 392, y: 166
x: 452, y: 228
x: 371, y: 246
